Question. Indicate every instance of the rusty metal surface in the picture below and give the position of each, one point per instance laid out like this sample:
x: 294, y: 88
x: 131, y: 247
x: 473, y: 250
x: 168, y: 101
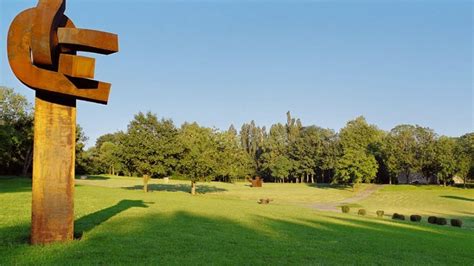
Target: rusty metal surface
x: 257, y: 182
x: 53, y: 169
x: 76, y: 66
x: 42, y: 45
x: 27, y: 32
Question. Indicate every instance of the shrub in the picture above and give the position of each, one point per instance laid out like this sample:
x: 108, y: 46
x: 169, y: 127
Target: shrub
x: 397, y: 216
x: 441, y: 221
x: 380, y: 214
x: 345, y: 209
x: 361, y: 212
x: 432, y: 219
x: 415, y: 218
x: 456, y: 222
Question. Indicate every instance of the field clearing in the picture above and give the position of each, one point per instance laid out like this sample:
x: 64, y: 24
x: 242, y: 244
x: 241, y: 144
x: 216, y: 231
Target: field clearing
x: 118, y: 223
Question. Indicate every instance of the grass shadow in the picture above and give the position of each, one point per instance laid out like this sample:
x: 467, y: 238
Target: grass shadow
x: 200, y: 189
x: 330, y: 186
x: 94, y: 177
x: 457, y: 198
x: 15, y: 184
x: 90, y: 221
x: 160, y: 238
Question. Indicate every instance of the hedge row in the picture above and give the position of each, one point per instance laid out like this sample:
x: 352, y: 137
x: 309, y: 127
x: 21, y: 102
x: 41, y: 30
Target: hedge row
x: 413, y: 218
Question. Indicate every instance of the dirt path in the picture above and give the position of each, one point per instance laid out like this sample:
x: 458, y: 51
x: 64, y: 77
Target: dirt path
x: 334, y: 206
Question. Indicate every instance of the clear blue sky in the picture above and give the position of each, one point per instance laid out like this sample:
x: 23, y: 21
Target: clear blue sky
x: 223, y: 62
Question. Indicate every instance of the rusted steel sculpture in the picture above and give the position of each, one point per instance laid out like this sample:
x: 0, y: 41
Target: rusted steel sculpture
x: 42, y: 48
x: 257, y: 182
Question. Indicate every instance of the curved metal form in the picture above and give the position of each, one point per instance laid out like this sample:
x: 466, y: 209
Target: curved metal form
x: 42, y: 52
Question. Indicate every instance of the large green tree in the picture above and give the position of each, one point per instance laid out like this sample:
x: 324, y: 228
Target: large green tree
x: 408, y: 150
x: 464, y: 151
x: 16, y: 133
x: 199, y: 157
x: 252, y: 140
x: 150, y: 145
x: 357, y: 163
x: 445, y: 159
x: 233, y: 162
x: 275, y: 161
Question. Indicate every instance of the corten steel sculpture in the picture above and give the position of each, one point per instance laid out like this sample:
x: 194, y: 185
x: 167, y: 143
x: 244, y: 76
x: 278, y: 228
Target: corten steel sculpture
x: 42, y: 47
x: 257, y: 182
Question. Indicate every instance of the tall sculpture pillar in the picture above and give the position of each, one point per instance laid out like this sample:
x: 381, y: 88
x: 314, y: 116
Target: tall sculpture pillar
x: 53, y: 183
x: 42, y: 52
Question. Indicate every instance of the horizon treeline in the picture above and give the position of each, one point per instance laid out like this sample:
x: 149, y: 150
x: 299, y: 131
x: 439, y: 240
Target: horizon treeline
x: 292, y: 152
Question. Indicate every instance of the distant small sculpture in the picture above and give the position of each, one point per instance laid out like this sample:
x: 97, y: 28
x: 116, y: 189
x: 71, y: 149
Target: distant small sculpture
x: 264, y: 201
x: 256, y: 182
x: 42, y: 46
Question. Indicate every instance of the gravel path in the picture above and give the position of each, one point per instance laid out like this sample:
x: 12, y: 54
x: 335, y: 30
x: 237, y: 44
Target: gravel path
x: 334, y: 206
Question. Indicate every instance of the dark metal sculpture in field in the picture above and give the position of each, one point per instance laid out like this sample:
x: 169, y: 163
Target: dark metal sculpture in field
x: 42, y: 48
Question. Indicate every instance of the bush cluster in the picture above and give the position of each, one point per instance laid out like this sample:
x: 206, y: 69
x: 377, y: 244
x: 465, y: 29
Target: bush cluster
x: 345, y: 209
x: 361, y: 212
x: 380, y: 214
x: 398, y: 216
x: 456, y: 222
x: 432, y: 219
x: 415, y: 218
x: 441, y: 221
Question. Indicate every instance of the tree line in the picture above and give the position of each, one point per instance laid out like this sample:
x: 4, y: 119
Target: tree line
x: 289, y: 152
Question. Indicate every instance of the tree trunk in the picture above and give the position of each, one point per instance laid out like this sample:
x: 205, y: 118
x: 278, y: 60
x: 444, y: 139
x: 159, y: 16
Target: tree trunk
x: 145, y: 183
x: 444, y: 182
x: 297, y: 180
x: 28, y: 160
x: 312, y: 178
x: 193, y: 187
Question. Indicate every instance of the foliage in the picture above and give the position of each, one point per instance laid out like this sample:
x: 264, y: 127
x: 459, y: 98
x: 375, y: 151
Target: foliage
x: 397, y: 216
x: 289, y: 152
x: 456, y: 222
x: 362, y: 212
x: 380, y: 213
x: 151, y: 145
x: 345, y: 209
x: 16, y: 133
x: 464, y: 151
x: 232, y: 162
x: 199, y: 159
x: 82, y: 158
x: 445, y: 159
x: 415, y: 218
x: 441, y: 221
x: 410, y: 149
x: 432, y: 219
x: 357, y: 163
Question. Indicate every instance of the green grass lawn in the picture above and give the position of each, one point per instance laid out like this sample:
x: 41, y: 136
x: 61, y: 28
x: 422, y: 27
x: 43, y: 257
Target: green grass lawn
x: 120, y: 224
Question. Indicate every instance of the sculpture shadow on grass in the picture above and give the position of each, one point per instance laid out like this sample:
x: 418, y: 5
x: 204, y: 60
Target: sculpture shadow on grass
x: 200, y: 189
x: 457, y: 198
x: 184, y: 237
x: 90, y: 221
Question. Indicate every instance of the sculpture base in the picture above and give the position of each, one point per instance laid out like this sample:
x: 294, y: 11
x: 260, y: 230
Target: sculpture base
x: 53, y: 169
